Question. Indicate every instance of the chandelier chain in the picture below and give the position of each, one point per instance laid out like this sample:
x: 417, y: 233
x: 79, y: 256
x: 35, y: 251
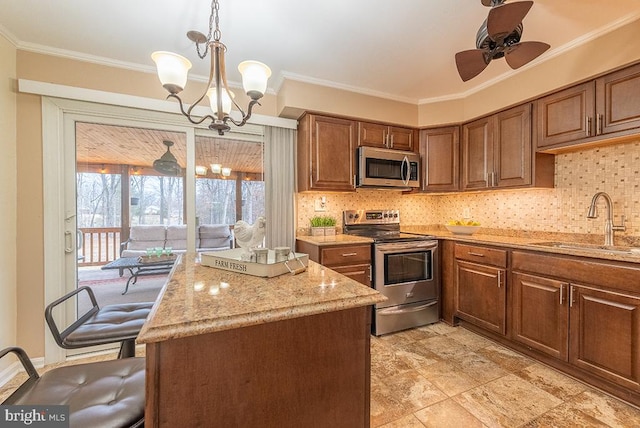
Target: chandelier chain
x: 215, y: 8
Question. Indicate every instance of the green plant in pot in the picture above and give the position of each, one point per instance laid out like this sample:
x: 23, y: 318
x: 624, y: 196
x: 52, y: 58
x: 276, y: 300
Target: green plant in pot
x: 323, y: 225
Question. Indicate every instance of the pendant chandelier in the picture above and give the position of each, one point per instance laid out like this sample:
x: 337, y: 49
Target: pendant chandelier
x: 173, y: 70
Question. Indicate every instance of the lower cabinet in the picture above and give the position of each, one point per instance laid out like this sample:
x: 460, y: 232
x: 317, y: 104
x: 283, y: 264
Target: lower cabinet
x: 589, y: 317
x: 352, y: 260
x: 481, y: 297
x: 604, y: 334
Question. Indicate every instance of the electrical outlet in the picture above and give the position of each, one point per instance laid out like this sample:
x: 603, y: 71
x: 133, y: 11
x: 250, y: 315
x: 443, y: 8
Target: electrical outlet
x: 320, y: 204
x: 466, y: 213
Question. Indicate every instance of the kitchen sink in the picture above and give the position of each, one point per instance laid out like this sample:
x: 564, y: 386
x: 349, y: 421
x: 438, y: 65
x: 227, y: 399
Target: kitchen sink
x: 602, y: 249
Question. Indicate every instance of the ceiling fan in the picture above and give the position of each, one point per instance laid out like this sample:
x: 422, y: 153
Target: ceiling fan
x: 167, y: 164
x: 499, y: 36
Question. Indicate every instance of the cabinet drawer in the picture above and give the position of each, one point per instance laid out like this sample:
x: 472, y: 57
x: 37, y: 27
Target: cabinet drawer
x: 351, y: 254
x: 360, y: 272
x: 483, y: 255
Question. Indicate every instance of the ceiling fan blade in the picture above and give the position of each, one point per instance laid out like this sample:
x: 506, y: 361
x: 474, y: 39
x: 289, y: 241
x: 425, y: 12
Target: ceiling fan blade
x: 471, y: 63
x: 524, y: 52
x: 504, y: 19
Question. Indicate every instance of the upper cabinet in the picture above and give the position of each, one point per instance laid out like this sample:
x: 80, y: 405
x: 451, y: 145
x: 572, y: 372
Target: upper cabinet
x: 497, y: 153
x: 605, y: 107
x: 326, y: 153
x: 440, y: 151
x: 385, y: 136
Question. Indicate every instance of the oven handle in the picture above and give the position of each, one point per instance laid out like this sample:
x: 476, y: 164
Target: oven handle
x: 406, y: 246
x: 406, y: 310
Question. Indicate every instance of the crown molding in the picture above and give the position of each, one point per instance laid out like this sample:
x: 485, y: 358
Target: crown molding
x: 9, y: 36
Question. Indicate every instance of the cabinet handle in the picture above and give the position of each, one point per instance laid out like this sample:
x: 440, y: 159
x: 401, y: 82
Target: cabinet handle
x: 349, y: 254
x: 571, y: 296
x: 471, y: 253
x: 499, y: 277
x: 588, y: 126
x: 561, y: 292
x: 391, y: 141
x: 354, y: 180
x: 370, y: 273
x: 598, y: 124
x: 358, y: 272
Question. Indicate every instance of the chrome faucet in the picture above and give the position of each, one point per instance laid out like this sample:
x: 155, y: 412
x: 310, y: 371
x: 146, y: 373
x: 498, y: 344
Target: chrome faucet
x: 608, y: 224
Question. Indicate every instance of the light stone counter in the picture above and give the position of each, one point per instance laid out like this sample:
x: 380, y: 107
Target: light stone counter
x: 339, y: 239
x: 525, y: 241
x: 198, y: 299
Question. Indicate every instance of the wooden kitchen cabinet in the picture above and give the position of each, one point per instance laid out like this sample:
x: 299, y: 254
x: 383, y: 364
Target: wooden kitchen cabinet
x: 440, y: 151
x: 497, y: 152
x: 605, y: 107
x: 540, y: 316
x: 326, y: 153
x: 481, y: 297
x: 604, y: 340
x: 385, y: 136
x: 352, y: 260
x: 580, y: 311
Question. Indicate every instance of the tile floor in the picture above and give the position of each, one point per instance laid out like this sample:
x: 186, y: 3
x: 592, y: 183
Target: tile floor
x: 442, y: 376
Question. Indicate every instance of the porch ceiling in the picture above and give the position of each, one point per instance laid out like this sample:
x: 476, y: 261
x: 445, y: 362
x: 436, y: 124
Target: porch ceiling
x: 98, y: 144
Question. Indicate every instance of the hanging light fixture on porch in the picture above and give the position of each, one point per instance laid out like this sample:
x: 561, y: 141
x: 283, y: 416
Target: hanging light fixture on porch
x: 167, y: 164
x: 173, y: 70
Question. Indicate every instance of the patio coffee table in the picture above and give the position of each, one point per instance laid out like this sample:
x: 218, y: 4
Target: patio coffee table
x: 137, y: 268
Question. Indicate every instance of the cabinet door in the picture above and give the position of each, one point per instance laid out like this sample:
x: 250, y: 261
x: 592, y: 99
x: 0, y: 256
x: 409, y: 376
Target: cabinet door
x: 618, y: 101
x: 400, y: 138
x: 566, y: 116
x: 477, y: 153
x: 360, y: 273
x: 332, y: 153
x: 440, y: 151
x: 481, y: 296
x: 512, y: 148
x: 372, y: 134
x: 604, y: 334
x: 540, y: 314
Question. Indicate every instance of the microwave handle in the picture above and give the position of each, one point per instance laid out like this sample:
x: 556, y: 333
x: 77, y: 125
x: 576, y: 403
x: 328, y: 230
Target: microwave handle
x: 404, y: 172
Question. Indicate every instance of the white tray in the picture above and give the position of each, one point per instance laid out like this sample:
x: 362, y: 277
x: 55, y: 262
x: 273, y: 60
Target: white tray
x: 230, y: 260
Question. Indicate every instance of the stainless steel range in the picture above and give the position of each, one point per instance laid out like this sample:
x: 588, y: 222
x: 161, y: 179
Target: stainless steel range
x: 405, y: 270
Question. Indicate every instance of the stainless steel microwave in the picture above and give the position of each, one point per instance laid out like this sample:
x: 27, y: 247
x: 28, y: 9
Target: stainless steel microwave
x: 387, y: 168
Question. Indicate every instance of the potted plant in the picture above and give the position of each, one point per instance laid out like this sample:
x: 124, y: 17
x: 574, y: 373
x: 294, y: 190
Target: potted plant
x: 317, y: 226
x: 329, y: 226
x: 323, y: 226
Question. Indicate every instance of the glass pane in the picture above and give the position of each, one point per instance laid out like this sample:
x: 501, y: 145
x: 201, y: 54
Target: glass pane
x: 125, y: 177
x: 229, y: 179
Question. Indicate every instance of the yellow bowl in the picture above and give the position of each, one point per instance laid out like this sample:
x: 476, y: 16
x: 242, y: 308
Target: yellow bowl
x: 461, y: 230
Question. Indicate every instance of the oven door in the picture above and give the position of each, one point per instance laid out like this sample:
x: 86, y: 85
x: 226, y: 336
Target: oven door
x: 405, y: 272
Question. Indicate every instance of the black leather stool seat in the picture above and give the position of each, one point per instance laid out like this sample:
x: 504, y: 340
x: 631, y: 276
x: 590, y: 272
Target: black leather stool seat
x: 111, y: 323
x: 102, y: 394
x: 99, y: 326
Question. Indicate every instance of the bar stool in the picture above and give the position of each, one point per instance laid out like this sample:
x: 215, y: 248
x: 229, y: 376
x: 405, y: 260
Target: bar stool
x: 102, y: 394
x: 99, y: 326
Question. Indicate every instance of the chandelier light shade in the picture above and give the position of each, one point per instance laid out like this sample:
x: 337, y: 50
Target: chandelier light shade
x: 201, y: 170
x: 226, y: 172
x: 173, y: 70
x: 216, y: 168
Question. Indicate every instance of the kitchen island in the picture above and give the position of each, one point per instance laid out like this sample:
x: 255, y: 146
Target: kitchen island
x: 228, y: 349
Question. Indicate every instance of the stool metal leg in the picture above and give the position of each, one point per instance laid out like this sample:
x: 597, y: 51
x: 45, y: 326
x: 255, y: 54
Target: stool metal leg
x: 127, y: 349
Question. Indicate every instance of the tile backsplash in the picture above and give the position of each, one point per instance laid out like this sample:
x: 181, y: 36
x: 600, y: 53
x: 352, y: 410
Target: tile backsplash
x: 614, y: 169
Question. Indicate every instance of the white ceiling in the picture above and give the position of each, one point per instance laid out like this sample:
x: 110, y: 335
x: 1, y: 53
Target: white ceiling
x: 402, y: 49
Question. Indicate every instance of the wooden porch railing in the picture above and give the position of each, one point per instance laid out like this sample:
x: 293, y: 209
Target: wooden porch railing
x: 98, y: 245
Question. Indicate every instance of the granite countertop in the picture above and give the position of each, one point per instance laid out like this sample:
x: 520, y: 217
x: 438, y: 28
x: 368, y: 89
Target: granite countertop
x: 198, y: 299
x: 525, y: 241
x: 339, y: 239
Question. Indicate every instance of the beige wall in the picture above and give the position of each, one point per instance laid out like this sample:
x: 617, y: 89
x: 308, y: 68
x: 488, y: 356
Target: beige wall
x: 293, y: 97
x: 8, y: 192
